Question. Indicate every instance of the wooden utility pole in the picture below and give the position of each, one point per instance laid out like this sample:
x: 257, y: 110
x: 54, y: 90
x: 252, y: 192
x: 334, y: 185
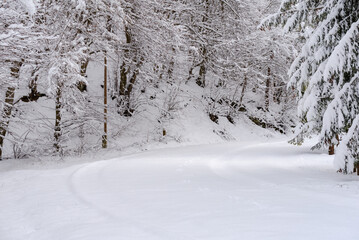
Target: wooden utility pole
x: 104, y: 137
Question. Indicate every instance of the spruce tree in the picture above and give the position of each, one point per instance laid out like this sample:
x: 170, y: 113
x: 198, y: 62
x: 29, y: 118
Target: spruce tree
x: 325, y: 73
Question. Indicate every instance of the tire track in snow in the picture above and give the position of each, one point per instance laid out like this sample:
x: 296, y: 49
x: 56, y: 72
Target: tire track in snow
x: 224, y: 175
x: 82, y: 199
x: 299, y: 188
x: 151, y: 229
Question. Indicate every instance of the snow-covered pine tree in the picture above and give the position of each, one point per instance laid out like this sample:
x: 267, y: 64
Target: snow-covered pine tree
x: 325, y: 72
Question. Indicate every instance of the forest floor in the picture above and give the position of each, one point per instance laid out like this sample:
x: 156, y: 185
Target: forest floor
x: 237, y: 190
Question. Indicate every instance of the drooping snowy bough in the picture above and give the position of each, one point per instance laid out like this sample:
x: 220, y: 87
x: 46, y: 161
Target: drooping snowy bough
x: 325, y: 73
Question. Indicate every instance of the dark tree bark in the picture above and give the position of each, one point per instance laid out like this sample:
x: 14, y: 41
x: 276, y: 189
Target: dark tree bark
x: 267, y: 90
x: 58, y: 107
x: 243, y: 90
x: 128, y: 73
x: 81, y: 85
x: 171, y: 67
x: 34, y: 94
x: 124, y: 68
x: 201, y: 80
x: 9, y: 104
x: 126, y: 76
x: 9, y: 100
x: 190, y: 73
x: 331, y: 150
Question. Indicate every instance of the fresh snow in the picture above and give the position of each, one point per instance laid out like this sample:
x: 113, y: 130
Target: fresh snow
x: 238, y: 190
x: 29, y: 6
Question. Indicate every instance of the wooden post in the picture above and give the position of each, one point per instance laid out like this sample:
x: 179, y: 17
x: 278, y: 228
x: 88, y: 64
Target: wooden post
x: 104, y: 137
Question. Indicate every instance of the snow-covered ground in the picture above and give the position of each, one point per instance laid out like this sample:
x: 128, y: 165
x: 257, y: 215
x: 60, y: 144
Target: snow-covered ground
x: 239, y: 190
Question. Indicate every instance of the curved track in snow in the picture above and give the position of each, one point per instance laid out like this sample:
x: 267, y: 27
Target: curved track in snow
x: 223, y: 191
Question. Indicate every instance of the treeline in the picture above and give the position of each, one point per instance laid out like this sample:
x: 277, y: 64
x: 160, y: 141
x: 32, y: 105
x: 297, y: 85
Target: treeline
x: 149, y: 53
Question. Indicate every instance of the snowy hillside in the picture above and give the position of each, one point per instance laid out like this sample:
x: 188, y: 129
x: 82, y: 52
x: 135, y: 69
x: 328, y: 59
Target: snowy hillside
x: 243, y: 190
x: 179, y: 119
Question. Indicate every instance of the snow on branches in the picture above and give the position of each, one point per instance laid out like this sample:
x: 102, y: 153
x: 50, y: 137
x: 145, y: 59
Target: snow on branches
x: 325, y: 72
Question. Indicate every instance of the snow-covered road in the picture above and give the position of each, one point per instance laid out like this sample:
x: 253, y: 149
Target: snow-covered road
x: 223, y: 191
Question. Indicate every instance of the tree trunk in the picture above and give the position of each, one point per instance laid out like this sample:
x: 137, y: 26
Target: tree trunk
x: 243, y: 90
x: 267, y: 90
x: 131, y: 83
x: 170, y: 71
x: 34, y: 95
x: 171, y: 66
x: 123, y: 79
x: 9, y: 101
x: 9, y: 104
x: 128, y: 76
x: 82, y: 86
x: 124, y: 70
x: 84, y: 65
x: 331, y: 150
x: 117, y: 76
x: 201, y: 80
x: 190, y: 73
x: 104, y: 137
x: 58, y: 107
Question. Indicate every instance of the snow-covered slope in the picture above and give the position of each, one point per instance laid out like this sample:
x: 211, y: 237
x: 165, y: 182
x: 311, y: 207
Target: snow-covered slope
x: 241, y: 190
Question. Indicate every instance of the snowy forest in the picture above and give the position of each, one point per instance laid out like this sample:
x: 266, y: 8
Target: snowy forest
x: 179, y: 119
x: 77, y: 76
x: 82, y: 75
